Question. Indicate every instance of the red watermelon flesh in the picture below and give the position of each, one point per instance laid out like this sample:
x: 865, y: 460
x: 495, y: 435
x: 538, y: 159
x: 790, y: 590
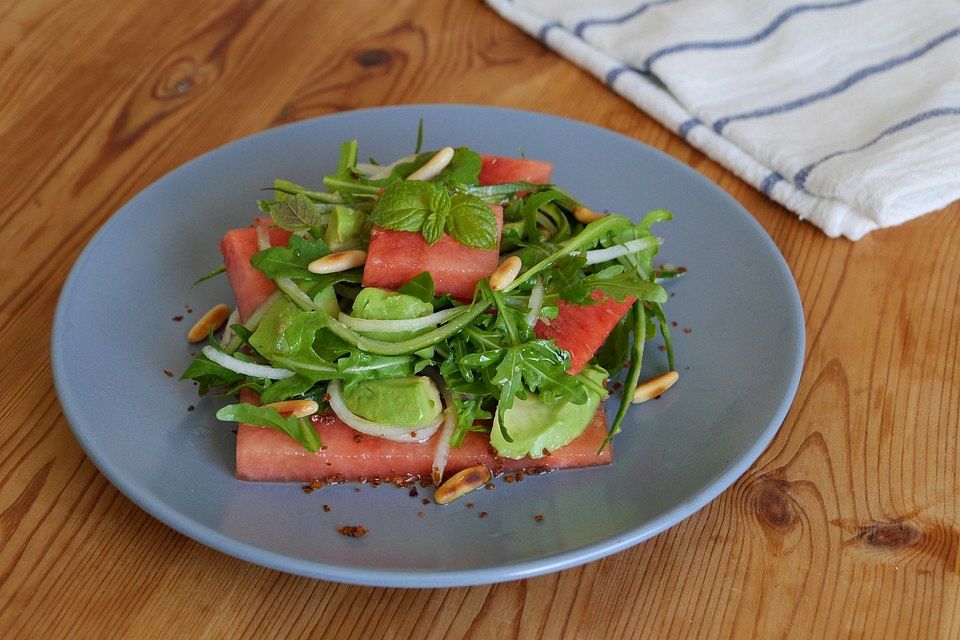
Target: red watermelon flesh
x: 581, y: 330
x: 499, y: 170
x: 250, y: 287
x: 265, y: 455
x: 396, y: 257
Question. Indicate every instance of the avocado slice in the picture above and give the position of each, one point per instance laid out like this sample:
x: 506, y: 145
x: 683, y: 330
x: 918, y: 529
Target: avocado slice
x: 373, y: 303
x: 410, y: 402
x: 345, y: 229
x: 536, y: 426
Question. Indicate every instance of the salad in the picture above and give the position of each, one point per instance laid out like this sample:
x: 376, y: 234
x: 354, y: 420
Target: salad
x: 446, y: 313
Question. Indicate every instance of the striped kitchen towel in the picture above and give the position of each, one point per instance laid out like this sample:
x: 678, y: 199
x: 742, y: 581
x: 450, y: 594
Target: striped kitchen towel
x: 846, y: 111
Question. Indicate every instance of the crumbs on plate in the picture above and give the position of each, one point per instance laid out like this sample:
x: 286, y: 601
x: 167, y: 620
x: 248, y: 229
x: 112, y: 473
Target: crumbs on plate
x: 353, y: 531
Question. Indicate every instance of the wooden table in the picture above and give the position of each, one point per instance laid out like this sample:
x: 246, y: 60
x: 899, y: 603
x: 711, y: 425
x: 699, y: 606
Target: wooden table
x: 848, y: 525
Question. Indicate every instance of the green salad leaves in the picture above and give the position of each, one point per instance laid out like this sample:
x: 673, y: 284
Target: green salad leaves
x: 484, y: 353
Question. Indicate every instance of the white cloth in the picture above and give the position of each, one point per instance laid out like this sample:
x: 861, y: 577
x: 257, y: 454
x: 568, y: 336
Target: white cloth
x: 845, y: 111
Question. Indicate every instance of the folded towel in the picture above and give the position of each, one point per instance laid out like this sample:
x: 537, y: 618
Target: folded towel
x: 846, y: 112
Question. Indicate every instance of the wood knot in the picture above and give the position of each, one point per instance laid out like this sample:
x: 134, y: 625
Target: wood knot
x: 889, y: 535
x: 774, y: 505
x: 373, y: 57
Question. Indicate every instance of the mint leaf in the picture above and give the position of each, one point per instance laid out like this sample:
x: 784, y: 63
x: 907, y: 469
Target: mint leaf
x: 471, y: 222
x: 291, y: 261
x: 298, y: 213
x: 436, y: 219
x: 299, y: 429
x: 404, y: 206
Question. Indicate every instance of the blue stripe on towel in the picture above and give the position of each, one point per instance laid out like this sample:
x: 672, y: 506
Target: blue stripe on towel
x: 769, y: 181
x: 687, y: 125
x: 743, y: 42
x: 801, y: 178
x: 542, y: 34
x: 613, y: 74
x: 583, y: 24
x: 841, y: 86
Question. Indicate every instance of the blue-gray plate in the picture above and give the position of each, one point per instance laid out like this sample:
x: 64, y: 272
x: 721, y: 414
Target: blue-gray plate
x: 739, y: 339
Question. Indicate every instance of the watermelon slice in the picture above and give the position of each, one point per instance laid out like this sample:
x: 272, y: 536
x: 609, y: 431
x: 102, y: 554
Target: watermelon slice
x: 265, y: 455
x: 396, y: 257
x: 250, y: 287
x: 499, y: 170
x: 581, y: 330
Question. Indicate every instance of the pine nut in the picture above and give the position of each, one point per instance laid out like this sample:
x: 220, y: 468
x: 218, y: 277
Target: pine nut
x: 210, y: 321
x: 338, y: 261
x: 295, y: 408
x: 462, y: 483
x: 585, y: 215
x: 505, y: 273
x: 654, y: 387
x: 432, y: 167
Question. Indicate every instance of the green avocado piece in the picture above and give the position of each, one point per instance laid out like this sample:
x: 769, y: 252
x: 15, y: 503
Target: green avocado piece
x: 345, y: 229
x: 379, y: 304
x: 411, y: 402
x: 326, y: 299
x: 536, y: 426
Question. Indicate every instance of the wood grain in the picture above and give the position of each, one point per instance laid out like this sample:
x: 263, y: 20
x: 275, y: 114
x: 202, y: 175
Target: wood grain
x: 847, y: 527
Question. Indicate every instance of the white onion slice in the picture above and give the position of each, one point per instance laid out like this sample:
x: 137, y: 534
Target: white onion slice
x: 547, y: 224
x: 412, y: 324
x: 442, y: 452
x: 536, y: 302
x: 254, y: 320
x: 263, y: 238
x: 617, y: 250
x: 246, y: 368
x: 227, y: 334
x: 392, y: 432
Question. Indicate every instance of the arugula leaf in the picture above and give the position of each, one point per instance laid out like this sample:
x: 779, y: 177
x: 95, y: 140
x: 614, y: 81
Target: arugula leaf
x: 360, y: 366
x: 665, y: 332
x: 210, y: 274
x: 464, y: 168
x: 544, y: 368
x: 625, y: 284
x: 471, y: 222
x: 469, y: 410
x: 291, y: 261
x: 613, y: 352
x: 208, y: 374
x: 509, y: 382
x: 416, y: 149
x: 420, y: 287
x: 286, y: 388
x: 533, y: 203
x: 299, y: 429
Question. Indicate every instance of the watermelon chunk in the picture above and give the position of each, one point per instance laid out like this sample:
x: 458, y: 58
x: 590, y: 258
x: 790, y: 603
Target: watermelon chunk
x: 396, y: 257
x: 265, y: 455
x: 499, y: 170
x: 250, y: 287
x: 581, y: 330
